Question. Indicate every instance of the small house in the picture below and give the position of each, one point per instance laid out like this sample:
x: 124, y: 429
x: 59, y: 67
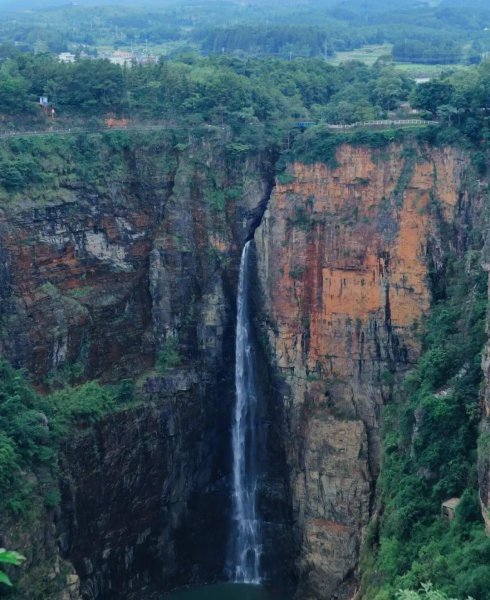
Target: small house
x: 67, y: 57
x: 46, y: 107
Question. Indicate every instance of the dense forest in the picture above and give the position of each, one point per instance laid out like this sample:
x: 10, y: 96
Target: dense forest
x: 208, y: 89
x: 444, y: 34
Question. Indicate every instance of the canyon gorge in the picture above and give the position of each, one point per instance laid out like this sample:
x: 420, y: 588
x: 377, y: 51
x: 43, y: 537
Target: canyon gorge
x: 133, y: 275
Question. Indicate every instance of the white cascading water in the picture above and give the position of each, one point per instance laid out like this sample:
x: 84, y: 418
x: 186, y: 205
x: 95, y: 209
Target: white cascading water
x: 246, y: 549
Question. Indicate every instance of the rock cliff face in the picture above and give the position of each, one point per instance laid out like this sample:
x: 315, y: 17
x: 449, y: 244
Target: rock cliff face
x: 140, y: 491
x: 108, y: 280
x: 96, y: 276
x: 344, y: 255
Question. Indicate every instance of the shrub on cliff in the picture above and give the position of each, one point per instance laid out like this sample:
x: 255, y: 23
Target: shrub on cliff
x: 426, y: 592
x: 169, y: 356
x: 32, y: 425
x: 9, y: 557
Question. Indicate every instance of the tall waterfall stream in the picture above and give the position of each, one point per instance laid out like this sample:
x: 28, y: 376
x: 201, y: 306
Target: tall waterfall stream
x: 245, y: 530
x: 244, y: 559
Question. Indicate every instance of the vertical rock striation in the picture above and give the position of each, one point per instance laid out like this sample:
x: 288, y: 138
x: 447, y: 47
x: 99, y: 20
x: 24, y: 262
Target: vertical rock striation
x: 95, y: 275
x: 151, y: 486
x: 343, y: 257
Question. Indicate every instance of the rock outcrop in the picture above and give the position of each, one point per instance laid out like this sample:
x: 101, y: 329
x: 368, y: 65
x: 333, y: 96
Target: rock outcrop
x: 93, y: 277
x: 344, y: 255
x: 484, y: 440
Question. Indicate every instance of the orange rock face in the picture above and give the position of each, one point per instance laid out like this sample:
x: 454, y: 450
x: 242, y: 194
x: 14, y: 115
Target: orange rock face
x: 343, y: 262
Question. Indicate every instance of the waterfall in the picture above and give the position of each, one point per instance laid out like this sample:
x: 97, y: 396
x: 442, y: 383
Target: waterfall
x: 245, y: 547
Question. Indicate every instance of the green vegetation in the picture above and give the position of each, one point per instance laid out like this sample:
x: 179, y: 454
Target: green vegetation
x: 32, y: 425
x: 220, y: 90
x: 430, y: 436
x: 285, y: 178
x: 301, y: 220
x: 439, y: 51
x: 296, y: 272
x: 169, y: 356
x: 257, y: 101
x: 368, y: 54
x: 319, y: 144
x: 460, y: 100
x: 244, y: 105
x: 9, y: 558
x: 43, y: 167
x: 216, y: 199
x: 426, y: 592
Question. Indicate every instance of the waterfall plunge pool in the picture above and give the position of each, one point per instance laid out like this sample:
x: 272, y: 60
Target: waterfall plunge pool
x: 229, y: 591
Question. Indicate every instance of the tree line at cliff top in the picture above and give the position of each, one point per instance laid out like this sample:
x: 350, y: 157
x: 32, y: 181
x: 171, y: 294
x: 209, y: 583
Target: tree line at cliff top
x: 236, y: 92
x: 213, y: 89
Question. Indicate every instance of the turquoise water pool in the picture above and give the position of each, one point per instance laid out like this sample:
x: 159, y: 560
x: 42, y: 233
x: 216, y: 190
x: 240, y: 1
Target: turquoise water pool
x: 228, y: 591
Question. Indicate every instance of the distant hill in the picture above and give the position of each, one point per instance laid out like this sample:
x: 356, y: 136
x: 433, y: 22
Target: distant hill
x: 352, y: 4
x: 43, y: 4
x: 484, y: 4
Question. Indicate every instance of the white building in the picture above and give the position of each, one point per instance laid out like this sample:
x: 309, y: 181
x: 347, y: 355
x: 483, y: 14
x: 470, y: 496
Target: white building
x: 66, y: 57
